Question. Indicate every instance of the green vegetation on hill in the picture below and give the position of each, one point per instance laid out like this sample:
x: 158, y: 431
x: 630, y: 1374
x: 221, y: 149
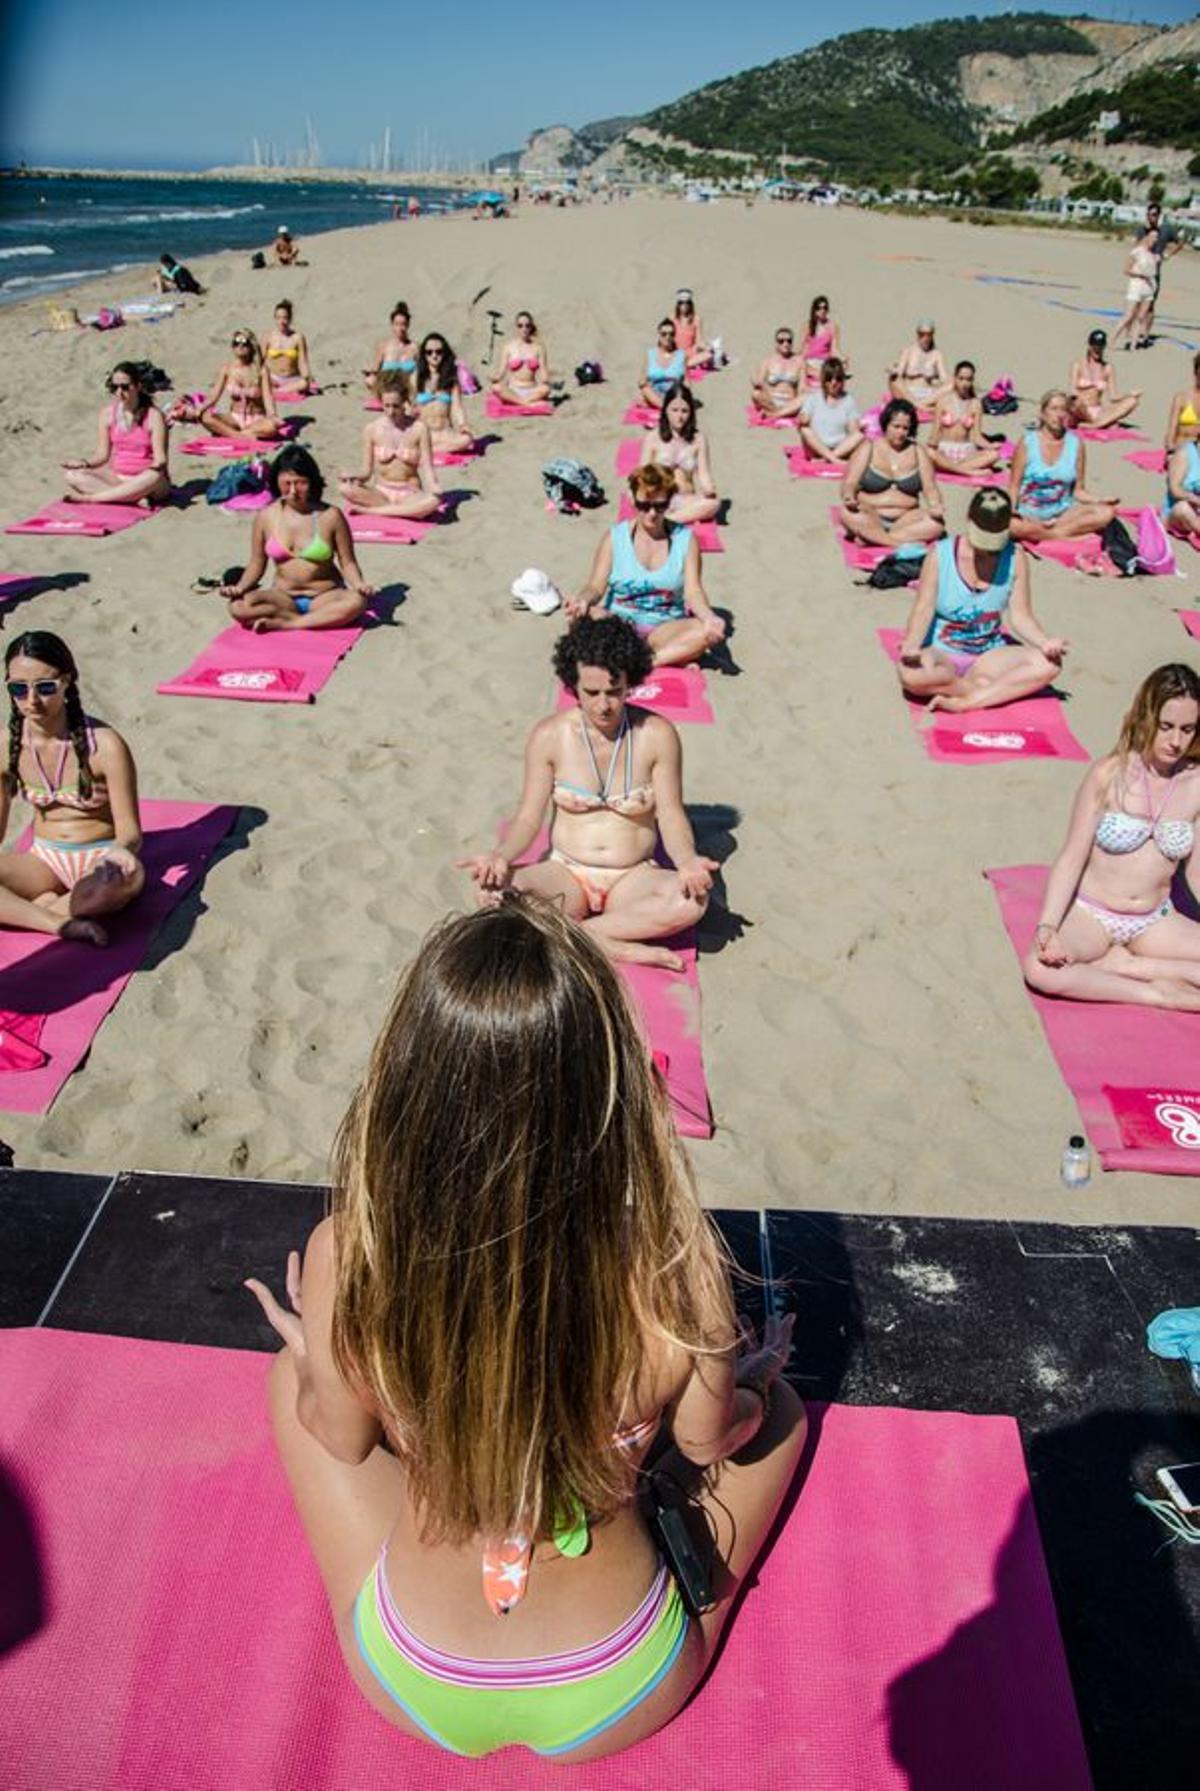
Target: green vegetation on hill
x: 1159, y: 105
x: 877, y: 106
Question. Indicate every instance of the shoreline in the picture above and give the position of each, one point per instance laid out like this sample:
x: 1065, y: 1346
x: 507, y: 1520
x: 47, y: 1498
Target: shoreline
x: 371, y: 177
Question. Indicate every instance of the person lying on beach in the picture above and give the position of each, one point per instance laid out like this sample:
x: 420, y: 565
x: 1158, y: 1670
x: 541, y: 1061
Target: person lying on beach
x: 919, y: 372
x: 1183, y: 421
x: 885, y: 481
x: 397, y: 353
x: 78, y: 777
x: 823, y: 341
x: 130, y: 464
x: 1094, y: 396
x: 609, y: 773
x: 524, y: 375
x: 518, y: 1303
x: 689, y: 331
x: 245, y: 385
x: 666, y: 365
x: 647, y: 572
x: 396, y: 476
x: 317, y: 581
x: 1107, y: 929
x: 973, y: 594
x: 682, y: 448
x: 956, y: 440
x: 776, y: 390
x: 285, y: 252
x: 285, y: 352
x: 1047, y: 483
x: 171, y: 276
x: 438, y: 396
x: 1182, y: 508
x: 829, y: 422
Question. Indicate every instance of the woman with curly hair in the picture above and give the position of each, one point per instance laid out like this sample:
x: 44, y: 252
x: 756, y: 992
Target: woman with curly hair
x: 516, y: 1327
x: 648, y: 572
x: 78, y: 777
x: 610, y: 776
x: 438, y: 396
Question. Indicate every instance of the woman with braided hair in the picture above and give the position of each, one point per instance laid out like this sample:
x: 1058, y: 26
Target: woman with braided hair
x: 79, y: 778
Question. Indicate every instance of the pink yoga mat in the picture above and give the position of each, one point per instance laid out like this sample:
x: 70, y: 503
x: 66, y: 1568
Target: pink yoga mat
x: 248, y: 501
x: 1067, y: 553
x: 669, y: 1004
x: 71, y: 987
x: 1034, y: 728
x: 1191, y: 621
x: 801, y: 465
x: 237, y: 447
x: 63, y: 518
x: 900, y: 1633
x: 1151, y: 460
x: 288, y: 666
x: 644, y: 415
x: 388, y: 531
x: 858, y: 556
x: 678, y: 692
x: 497, y: 407
x: 757, y: 420
x: 707, y: 534
x: 629, y: 454
x: 1134, y: 1071
x: 1116, y: 432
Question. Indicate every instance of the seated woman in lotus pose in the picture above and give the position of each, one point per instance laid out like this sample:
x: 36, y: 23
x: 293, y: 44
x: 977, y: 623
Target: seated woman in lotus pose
x: 438, y: 396
x: 396, y: 476
x: 1047, y: 484
x: 517, y: 1299
x: 823, y: 341
x: 1183, y: 423
x: 885, y: 481
x: 776, y: 390
x: 78, y: 777
x: 245, y: 385
x: 610, y: 775
x: 286, y: 352
x: 648, y: 573
x: 956, y: 440
x: 130, y: 465
x: 666, y: 365
x: 829, y: 421
x: 317, y: 579
x: 524, y: 376
x: 972, y: 593
x: 689, y: 331
x: 1094, y: 396
x: 1107, y: 929
x: 397, y: 353
x: 919, y: 372
x: 682, y: 448
x: 1181, y: 511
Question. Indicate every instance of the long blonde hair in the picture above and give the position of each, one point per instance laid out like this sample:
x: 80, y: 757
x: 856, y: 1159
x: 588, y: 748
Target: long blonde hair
x: 1150, y: 698
x: 514, y: 1217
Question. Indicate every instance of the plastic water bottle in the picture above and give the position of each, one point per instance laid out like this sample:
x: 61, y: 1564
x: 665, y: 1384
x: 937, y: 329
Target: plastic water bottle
x: 1076, y: 1166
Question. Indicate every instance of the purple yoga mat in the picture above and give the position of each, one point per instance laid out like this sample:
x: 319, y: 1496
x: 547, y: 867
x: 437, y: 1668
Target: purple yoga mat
x: 173, y: 1634
x: 72, y: 987
x: 1134, y: 1071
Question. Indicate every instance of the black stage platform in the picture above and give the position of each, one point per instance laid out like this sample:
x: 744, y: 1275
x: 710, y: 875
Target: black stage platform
x: 1044, y: 1322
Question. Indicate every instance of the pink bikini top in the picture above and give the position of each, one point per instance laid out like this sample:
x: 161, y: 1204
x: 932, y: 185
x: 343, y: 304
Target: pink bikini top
x: 53, y: 793
x: 532, y: 361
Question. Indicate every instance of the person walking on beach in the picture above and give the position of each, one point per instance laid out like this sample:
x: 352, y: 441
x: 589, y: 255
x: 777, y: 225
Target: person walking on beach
x: 1167, y: 243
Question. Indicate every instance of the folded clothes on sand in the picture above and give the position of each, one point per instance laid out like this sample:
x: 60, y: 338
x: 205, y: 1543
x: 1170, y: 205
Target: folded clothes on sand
x: 1134, y: 1071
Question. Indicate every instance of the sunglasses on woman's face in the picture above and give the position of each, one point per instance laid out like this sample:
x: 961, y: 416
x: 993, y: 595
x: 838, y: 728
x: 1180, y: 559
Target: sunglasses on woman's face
x: 120, y: 385
x: 20, y: 688
x: 240, y: 342
x: 661, y: 505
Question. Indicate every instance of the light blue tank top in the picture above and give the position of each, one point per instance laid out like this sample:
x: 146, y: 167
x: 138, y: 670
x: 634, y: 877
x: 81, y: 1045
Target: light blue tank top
x: 968, y: 621
x: 639, y: 595
x: 662, y: 377
x: 1046, y: 491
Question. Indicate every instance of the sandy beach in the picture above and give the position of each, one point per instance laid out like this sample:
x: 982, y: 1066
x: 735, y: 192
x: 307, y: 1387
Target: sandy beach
x: 868, y: 1041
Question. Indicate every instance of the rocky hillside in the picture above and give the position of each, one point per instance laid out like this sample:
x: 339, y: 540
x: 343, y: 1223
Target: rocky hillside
x: 879, y: 106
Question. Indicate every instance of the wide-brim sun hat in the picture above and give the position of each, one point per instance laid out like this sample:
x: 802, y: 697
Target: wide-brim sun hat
x: 535, y: 590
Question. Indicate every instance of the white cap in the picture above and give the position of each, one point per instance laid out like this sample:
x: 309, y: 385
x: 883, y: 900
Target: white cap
x: 535, y: 590
x: 283, y: 231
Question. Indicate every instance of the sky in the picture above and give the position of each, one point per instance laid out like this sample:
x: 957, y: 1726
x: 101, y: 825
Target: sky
x: 158, y: 84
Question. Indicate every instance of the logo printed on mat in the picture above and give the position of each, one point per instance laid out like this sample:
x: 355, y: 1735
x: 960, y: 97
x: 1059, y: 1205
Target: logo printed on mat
x: 997, y: 742
x: 645, y: 693
x: 1151, y: 1118
x: 247, y: 680
x: 249, y: 677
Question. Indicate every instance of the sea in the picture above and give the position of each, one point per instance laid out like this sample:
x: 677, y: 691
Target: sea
x: 55, y: 232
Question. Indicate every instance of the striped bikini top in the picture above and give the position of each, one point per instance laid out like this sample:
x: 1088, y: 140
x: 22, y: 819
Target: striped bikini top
x: 52, y: 792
